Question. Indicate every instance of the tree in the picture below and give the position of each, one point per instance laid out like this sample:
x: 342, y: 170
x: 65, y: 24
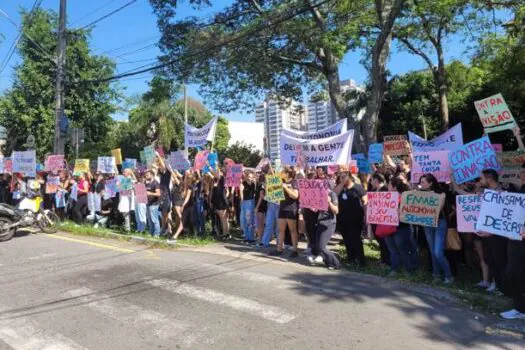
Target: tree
x: 246, y: 154
x: 28, y: 107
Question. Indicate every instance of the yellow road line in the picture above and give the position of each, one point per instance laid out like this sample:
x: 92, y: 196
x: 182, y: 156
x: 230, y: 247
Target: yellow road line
x: 93, y: 244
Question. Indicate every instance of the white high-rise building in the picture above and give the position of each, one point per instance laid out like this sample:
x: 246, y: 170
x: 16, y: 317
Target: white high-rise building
x: 322, y: 114
x: 275, y: 117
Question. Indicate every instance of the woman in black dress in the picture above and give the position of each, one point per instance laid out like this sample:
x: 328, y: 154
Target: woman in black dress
x: 219, y: 201
x: 288, y: 211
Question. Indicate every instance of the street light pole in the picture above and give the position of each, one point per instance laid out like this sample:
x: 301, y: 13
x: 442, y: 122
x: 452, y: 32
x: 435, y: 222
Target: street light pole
x: 58, y: 146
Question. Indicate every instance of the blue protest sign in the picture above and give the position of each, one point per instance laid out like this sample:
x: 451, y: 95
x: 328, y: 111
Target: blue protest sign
x: 375, y: 153
x: 468, y: 161
x: 362, y: 163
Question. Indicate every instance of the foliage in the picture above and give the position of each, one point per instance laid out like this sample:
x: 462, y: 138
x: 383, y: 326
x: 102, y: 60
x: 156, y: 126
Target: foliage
x: 28, y: 107
x: 246, y: 154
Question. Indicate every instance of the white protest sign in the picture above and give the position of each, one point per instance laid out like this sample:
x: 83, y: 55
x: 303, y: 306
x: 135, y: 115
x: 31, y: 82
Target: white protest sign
x: 433, y: 162
x: 502, y: 213
x: 106, y: 165
x: 494, y: 114
x: 195, y: 137
x: 179, y: 161
x: 449, y: 140
x: 24, y: 162
x: 333, y: 130
x: 327, y: 151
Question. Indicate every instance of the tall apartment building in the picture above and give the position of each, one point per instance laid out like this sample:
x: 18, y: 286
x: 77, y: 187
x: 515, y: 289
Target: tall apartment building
x: 322, y: 114
x: 276, y: 117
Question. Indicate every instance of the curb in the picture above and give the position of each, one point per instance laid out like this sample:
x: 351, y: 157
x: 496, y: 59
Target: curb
x: 135, y: 239
x: 515, y: 330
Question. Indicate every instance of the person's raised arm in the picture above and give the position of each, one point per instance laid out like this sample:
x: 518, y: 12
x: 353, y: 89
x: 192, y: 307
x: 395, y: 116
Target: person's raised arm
x: 292, y: 192
x: 517, y: 134
x: 339, y: 187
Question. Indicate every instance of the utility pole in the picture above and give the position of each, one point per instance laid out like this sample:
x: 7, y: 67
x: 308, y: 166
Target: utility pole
x: 58, y: 145
x: 186, y: 152
x: 424, y: 127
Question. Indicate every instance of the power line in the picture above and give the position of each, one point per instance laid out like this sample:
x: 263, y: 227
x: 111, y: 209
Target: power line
x: 108, y: 15
x: 93, y: 12
x: 268, y: 24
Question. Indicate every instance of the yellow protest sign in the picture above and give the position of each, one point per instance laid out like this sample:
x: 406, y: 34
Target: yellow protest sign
x: 274, y: 189
x: 118, y: 155
x: 81, y: 166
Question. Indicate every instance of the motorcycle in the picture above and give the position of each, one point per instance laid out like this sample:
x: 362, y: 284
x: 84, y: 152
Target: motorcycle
x: 28, y: 214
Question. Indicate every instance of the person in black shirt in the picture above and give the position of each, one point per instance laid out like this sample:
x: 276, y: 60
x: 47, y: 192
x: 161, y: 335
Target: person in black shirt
x: 352, y: 208
x: 378, y: 183
x: 219, y: 201
x: 152, y: 208
x: 325, y: 229
x: 165, y: 194
x: 260, y: 208
x: 247, y: 192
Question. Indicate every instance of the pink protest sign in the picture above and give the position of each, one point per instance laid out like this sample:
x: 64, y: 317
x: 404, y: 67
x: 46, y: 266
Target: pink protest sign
x: 332, y: 169
x: 382, y: 208
x: 467, y: 212
x: 8, y: 166
x: 54, y: 163
x: 433, y: 162
x: 160, y: 151
x: 498, y: 147
x: 200, y: 159
x: 141, y: 195
x: 234, y: 175
x: 313, y: 194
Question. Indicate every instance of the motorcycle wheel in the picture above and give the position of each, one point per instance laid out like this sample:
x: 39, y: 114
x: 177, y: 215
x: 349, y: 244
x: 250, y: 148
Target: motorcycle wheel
x: 49, y: 222
x: 6, y: 234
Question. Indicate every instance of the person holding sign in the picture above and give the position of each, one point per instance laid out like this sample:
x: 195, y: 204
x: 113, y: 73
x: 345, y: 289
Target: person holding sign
x: 352, y: 201
x: 437, y: 236
x: 247, y: 196
x: 288, y: 211
x: 326, y: 222
x: 81, y: 204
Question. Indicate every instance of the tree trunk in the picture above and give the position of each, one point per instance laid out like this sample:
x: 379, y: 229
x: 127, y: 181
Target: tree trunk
x: 441, y: 85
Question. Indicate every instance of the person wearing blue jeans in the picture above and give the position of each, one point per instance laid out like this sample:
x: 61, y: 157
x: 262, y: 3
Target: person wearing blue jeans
x: 270, y: 225
x: 399, y: 249
x: 140, y: 216
x: 247, y: 192
x: 152, y: 208
x: 437, y: 236
x: 153, y: 218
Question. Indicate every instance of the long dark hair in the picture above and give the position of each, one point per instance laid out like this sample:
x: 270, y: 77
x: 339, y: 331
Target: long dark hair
x: 399, y: 185
x: 434, y: 184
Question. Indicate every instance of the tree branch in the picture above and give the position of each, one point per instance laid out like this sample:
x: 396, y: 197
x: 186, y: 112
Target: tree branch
x: 257, y: 6
x: 425, y: 24
x: 386, y: 26
x: 418, y: 52
x: 308, y: 64
x: 318, y: 17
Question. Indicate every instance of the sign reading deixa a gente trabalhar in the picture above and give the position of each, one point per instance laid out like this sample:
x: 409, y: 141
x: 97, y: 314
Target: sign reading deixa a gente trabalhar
x: 321, y: 152
x: 502, y: 214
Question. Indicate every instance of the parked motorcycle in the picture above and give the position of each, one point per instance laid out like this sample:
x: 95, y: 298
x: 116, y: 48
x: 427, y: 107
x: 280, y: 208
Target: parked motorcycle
x: 28, y: 214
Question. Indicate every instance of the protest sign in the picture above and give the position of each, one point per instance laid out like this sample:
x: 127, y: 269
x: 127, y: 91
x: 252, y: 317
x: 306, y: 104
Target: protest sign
x: 468, y: 161
x: 124, y: 183
x: 467, y: 211
x: 25, y: 163
x: 396, y: 145
x: 511, y: 176
x: 327, y: 151
x: 160, y: 151
x: 362, y: 163
x: 333, y: 130
x: 421, y: 208
x: 8, y: 165
x: 332, y: 169
x: 81, y: 166
x: 433, y: 162
x: 449, y: 140
x: 129, y: 163
x: 142, y: 156
x: 494, y: 114
x: 375, y: 153
x: 382, y: 208
x: 213, y: 159
x: 313, y: 194
x: 197, y: 137
x: 2, y: 167
x: 52, y: 184
x: 274, y: 189
x: 179, y: 161
x: 54, y: 163
x: 141, y: 195
x: 511, y: 159
x: 94, y: 202
x: 498, y: 147
x: 234, y: 175
x: 200, y: 159
x: 502, y: 214
x: 149, y: 155
x: 106, y: 165
x: 111, y: 188
x: 117, y: 154
x: 73, y: 195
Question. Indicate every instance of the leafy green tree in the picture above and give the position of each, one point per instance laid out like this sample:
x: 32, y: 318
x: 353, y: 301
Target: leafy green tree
x: 28, y: 107
x: 246, y: 154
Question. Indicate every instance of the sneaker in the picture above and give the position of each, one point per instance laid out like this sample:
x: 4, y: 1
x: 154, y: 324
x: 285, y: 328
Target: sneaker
x: 492, y: 288
x: 96, y: 225
x: 483, y: 284
x: 513, y: 315
x: 171, y: 241
x: 319, y: 260
x: 331, y: 268
x: 449, y: 280
x: 310, y: 259
x: 294, y: 255
x: 276, y: 253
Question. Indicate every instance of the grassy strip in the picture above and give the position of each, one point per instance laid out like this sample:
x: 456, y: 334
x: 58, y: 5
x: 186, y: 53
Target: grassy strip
x: 463, y: 288
x: 89, y: 230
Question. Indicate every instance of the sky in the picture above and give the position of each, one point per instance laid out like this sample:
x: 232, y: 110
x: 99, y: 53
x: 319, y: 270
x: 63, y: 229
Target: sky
x: 129, y: 37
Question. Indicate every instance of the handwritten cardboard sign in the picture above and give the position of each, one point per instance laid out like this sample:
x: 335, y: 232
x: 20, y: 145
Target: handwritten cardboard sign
x: 106, y: 165
x: 124, y: 184
x: 362, y: 163
x: 498, y: 147
x: 421, y: 208
x: 24, y: 162
x: 142, y: 156
x: 149, y: 155
x: 382, y: 208
x: 433, y: 162
x: 141, y: 196
x: 117, y: 154
x: 313, y: 194
x: 54, y: 163
x: 274, y: 189
x: 511, y: 176
x: 396, y: 145
x: 111, y: 188
x: 494, y: 114
x: 502, y: 214
x: 200, y: 159
x: 213, y: 159
x: 467, y: 211
x: 234, y: 175
x: 81, y: 166
x: 450, y: 139
x: 375, y: 153
x: 511, y: 159
x: 129, y: 163
x: 468, y: 161
x: 52, y: 184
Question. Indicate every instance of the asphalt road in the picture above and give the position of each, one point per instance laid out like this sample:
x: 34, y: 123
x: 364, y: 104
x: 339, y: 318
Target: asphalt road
x: 66, y: 292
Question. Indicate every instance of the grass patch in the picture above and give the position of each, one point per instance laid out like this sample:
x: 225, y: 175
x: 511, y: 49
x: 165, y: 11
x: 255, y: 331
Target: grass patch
x: 90, y: 230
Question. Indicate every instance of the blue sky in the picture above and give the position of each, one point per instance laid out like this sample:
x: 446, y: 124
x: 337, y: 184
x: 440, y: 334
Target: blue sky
x: 129, y: 37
